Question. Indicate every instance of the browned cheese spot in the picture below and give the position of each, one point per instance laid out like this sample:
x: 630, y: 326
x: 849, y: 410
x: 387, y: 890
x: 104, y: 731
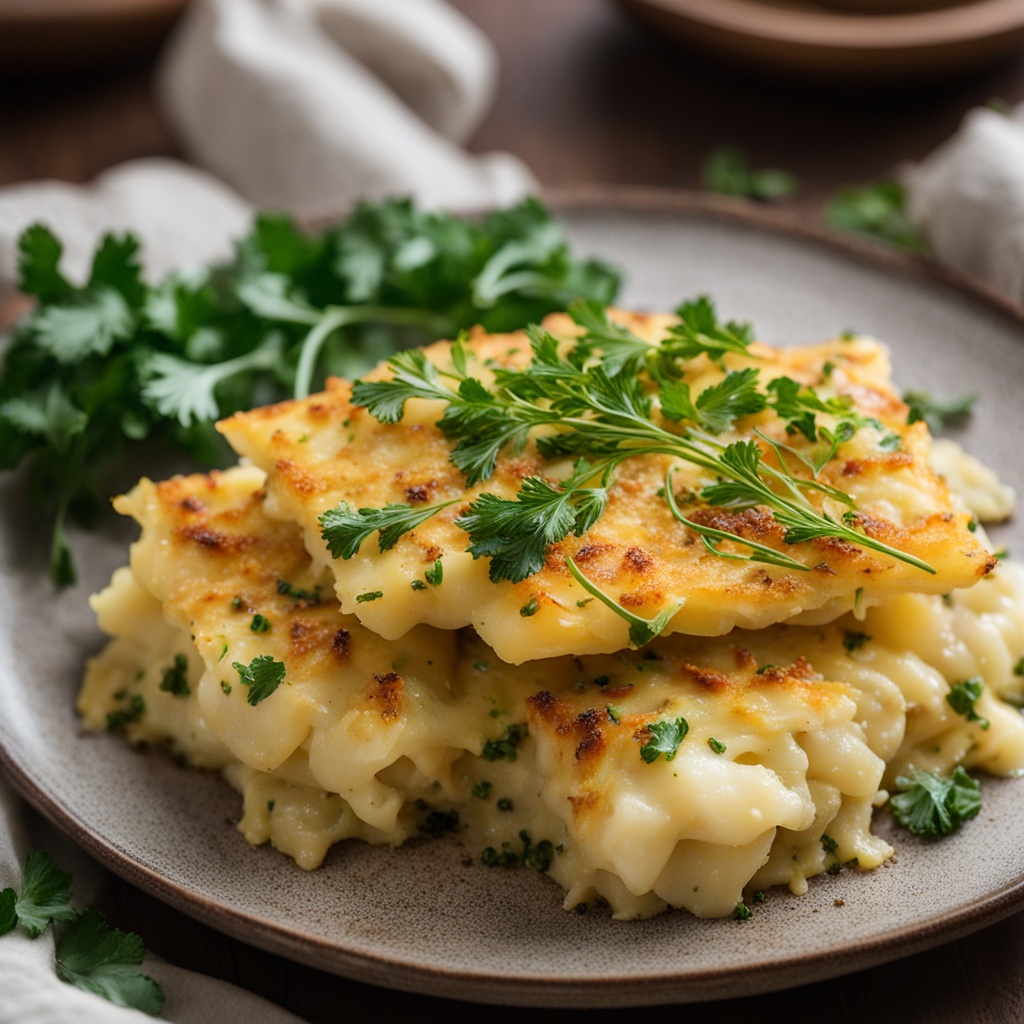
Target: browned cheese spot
x: 297, y: 478
x: 639, y: 598
x: 341, y: 644
x: 744, y: 658
x: 387, y: 695
x: 585, y: 728
x: 753, y: 523
x: 214, y: 540
x: 707, y: 678
x: 637, y: 560
x: 418, y: 494
x: 307, y: 635
x: 779, y: 674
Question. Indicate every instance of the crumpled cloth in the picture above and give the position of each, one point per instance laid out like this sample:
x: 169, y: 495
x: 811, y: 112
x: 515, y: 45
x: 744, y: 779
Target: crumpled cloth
x: 303, y: 106
x: 967, y: 198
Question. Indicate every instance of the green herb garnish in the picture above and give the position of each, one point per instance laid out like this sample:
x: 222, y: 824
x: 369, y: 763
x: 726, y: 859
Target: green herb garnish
x: 97, y: 958
x: 89, y: 954
x: 937, y: 412
x: 101, y: 365
x: 297, y: 594
x: 262, y: 675
x: 963, y: 696
x: 592, y: 405
x: 930, y: 804
x: 504, y: 748
x: 727, y: 170
x: 132, y: 707
x: 877, y: 209
x: 663, y: 740
x: 175, y: 677
x: 853, y: 640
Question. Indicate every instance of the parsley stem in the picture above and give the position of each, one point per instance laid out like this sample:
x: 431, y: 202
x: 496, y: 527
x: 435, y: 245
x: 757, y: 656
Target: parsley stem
x: 641, y: 630
x: 709, y: 535
x: 336, y: 317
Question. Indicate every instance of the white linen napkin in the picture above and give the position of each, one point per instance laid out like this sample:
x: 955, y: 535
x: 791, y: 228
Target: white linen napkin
x: 301, y: 106
x: 968, y: 198
x: 296, y: 105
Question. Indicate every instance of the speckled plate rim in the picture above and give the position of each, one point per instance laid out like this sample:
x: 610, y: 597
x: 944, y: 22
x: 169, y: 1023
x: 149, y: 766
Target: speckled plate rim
x: 634, y: 987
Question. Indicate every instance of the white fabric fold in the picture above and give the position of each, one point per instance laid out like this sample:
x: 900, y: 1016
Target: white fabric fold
x: 265, y: 95
x: 31, y: 992
x: 181, y: 215
x: 968, y: 198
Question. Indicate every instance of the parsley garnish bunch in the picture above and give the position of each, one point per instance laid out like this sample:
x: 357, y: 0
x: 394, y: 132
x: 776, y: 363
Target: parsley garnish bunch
x: 609, y: 398
x: 100, y: 365
x: 930, y: 804
x: 90, y: 954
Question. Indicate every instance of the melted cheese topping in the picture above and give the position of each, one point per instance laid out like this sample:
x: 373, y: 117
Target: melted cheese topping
x: 790, y: 728
x: 323, y: 451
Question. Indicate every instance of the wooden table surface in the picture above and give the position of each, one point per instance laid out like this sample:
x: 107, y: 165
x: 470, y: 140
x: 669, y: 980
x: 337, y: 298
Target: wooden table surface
x: 586, y: 96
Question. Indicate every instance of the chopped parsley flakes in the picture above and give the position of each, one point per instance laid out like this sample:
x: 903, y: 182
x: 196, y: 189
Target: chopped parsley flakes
x: 262, y: 675
x: 175, y: 677
x: 504, y: 748
x: 963, y: 696
x: 664, y: 739
x: 930, y: 804
x: 89, y: 954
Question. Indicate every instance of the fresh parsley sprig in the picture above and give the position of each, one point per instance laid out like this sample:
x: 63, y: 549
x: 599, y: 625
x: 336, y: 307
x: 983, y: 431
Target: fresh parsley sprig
x: 930, y: 804
x: 663, y: 738
x: 937, y: 412
x: 89, y: 954
x: 103, y: 364
x: 641, y: 630
x: 600, y: 408
x: 262, y: 676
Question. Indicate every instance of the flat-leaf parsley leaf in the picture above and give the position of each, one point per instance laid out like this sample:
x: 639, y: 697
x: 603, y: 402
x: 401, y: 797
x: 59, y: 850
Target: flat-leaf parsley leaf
x: 105, y: 961
x: 102, y: 364
x: 664, y: 737
x: 930, y: 804
x: 45, y: 894
x: 262, y: 675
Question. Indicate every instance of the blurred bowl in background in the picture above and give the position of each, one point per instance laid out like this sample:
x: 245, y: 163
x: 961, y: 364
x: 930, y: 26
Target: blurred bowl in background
x: 811, y: 41
x: 43, y: 37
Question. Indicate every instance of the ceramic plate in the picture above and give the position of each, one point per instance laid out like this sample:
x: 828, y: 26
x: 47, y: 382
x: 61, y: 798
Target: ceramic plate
x: 420, y: 918
x: 860, y: 47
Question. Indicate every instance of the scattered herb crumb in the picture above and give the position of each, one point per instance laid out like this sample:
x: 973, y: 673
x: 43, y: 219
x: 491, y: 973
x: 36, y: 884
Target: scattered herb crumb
x: 504, y: 748
x: 175, y: 677
x: 664, y: 738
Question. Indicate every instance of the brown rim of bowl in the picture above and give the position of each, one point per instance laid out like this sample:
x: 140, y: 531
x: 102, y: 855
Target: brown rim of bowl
x: 609, y: 991
x: 846, y: 30
x: 38, y: 12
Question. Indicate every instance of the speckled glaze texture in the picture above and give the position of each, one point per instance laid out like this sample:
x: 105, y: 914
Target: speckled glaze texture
x: 420, y: 917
